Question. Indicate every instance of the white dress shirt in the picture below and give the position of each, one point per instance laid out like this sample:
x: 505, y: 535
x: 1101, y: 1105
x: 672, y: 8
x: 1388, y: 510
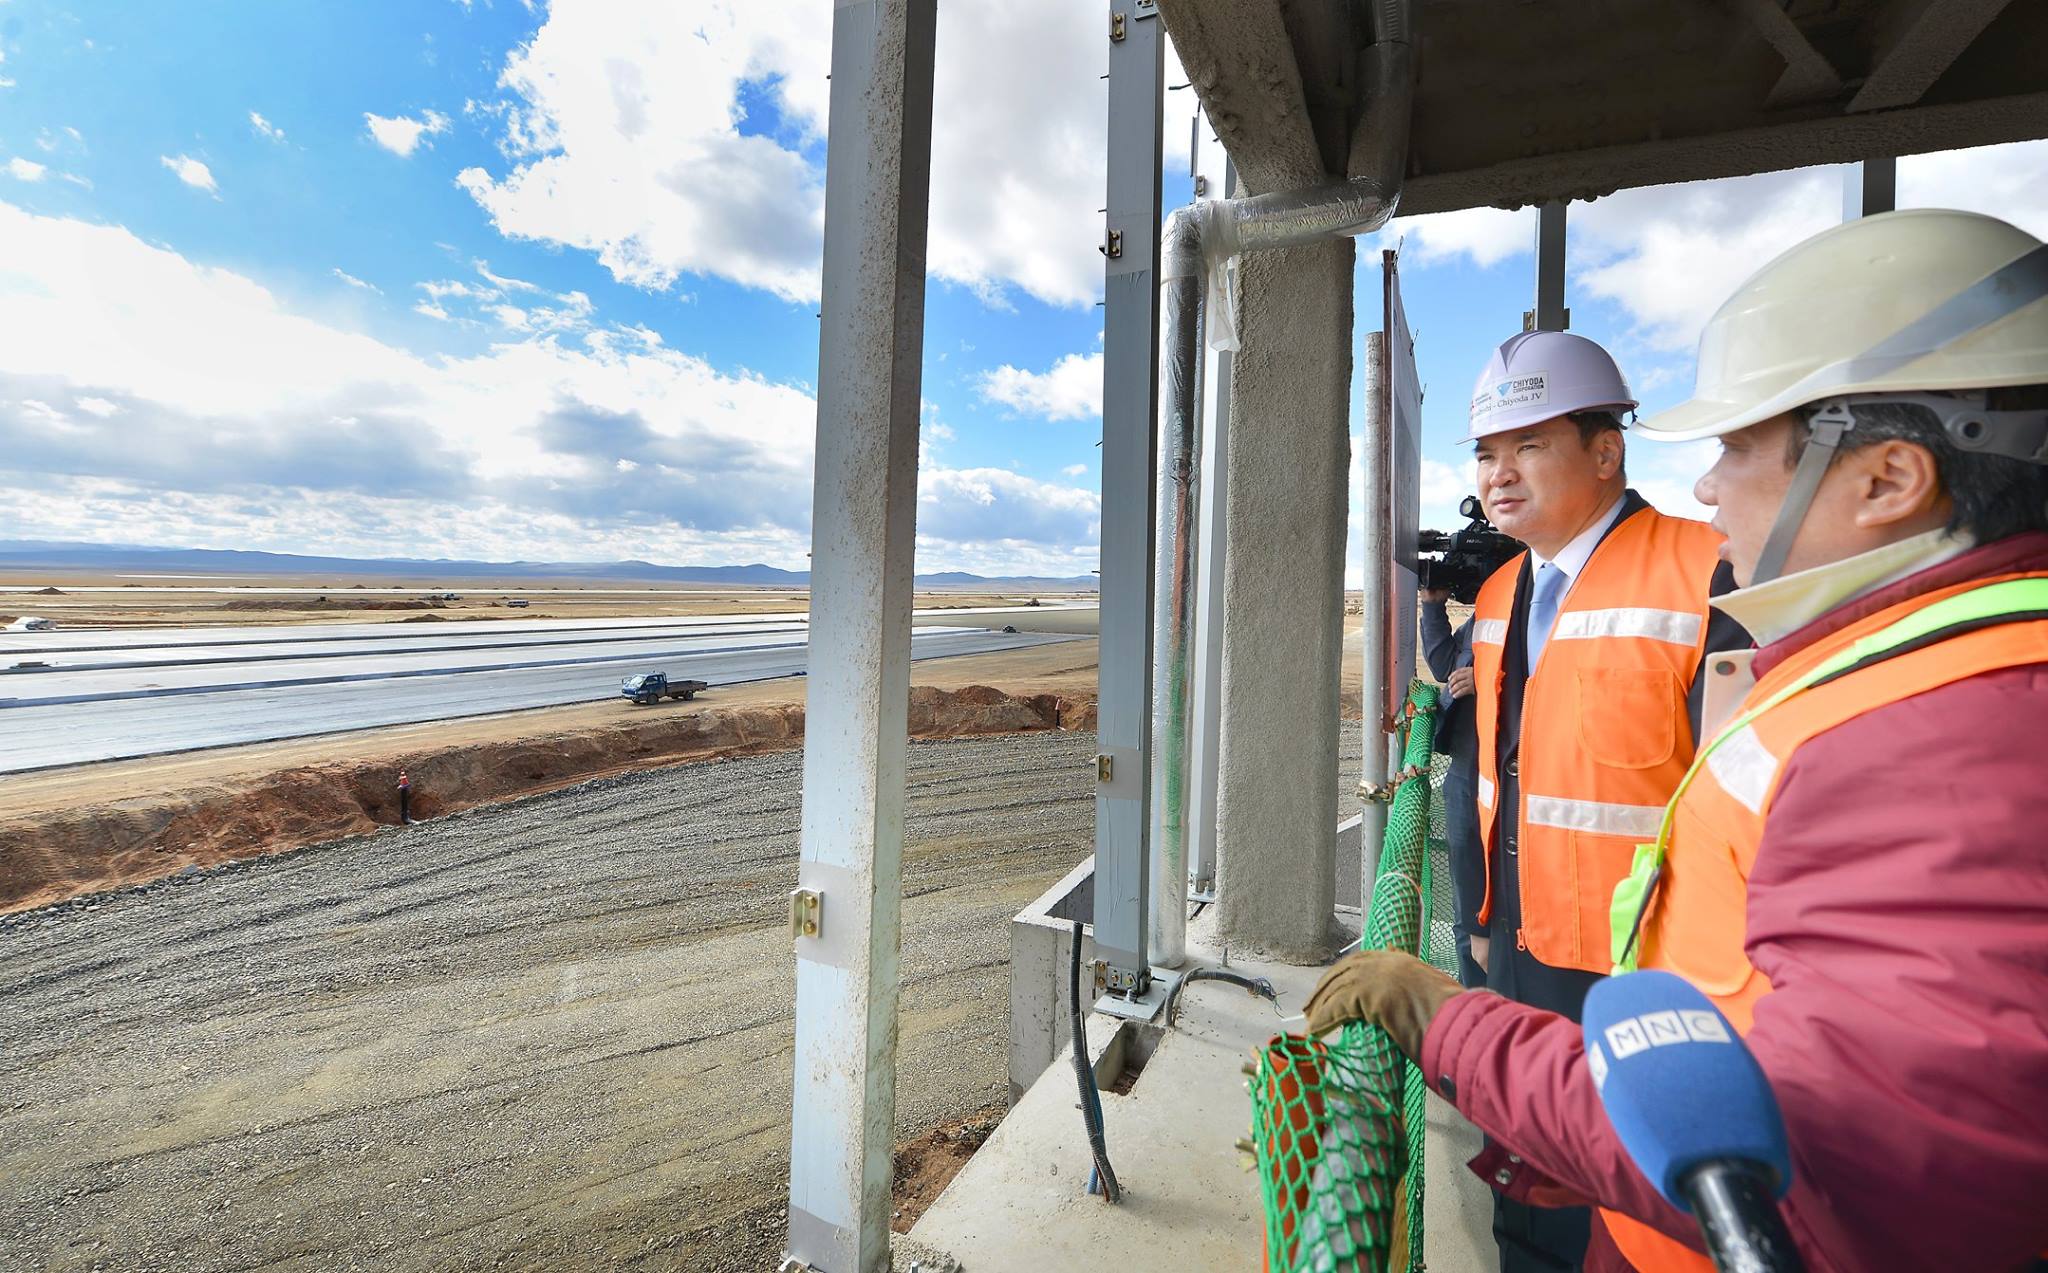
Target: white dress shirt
x: 1572, y: 558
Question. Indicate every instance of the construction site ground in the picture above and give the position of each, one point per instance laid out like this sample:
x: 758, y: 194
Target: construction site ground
x: 554, y: 1033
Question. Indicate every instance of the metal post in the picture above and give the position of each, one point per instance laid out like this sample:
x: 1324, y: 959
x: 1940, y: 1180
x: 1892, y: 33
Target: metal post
x: 1376, y: 499
x: 846, y: 914
x: 1870, y: 187
x: 1206, y: 710
x: 1130, y: 343
x: 1550, y: 314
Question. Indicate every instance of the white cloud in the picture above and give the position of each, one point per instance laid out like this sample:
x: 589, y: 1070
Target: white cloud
x: 1071, y: 390
x: 1074, y: 470
x: 1484, y: 236
x: 25, y: 169
x: 192, y: 172
x: 995, y: 507
x: 1670, y: 255
x: 148, y: 398
x: 431, y: 310
x: 626, y: 135
x: 264, y: 128
x: 353, y: 281
x: 402, y: 135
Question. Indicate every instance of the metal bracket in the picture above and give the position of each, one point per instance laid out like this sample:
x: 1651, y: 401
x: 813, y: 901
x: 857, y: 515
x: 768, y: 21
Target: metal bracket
x: 1116, y: 998
x: 1116, y: 28
x: 1116, y: 245
x: 1383, y: 792
x: 805, y: 909
x: 1105, y: 768
x: 1529, y: 318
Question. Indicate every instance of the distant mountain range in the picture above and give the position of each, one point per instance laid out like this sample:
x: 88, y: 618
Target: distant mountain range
x: 32, y: 554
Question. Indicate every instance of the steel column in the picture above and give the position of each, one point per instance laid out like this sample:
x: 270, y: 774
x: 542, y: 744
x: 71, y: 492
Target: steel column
x: 1130, y: 345
x: 1377, y: 548
x: 1870, y: 187
x: 1550, y: 314
x: 864, y: 509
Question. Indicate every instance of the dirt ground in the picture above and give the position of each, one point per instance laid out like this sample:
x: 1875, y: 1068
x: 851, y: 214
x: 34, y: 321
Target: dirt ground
x: 546, y: 1033
x: 551, y: 1034
x: 328, y: 599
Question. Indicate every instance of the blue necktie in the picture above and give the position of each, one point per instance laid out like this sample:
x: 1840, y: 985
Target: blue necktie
x: 1543, y: 599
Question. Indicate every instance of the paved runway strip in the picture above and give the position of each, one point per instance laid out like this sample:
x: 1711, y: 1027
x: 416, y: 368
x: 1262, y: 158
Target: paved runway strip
x: 145, y: 698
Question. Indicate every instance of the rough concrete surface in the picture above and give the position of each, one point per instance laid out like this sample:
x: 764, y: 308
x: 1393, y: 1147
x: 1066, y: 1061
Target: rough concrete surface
x: 552, y: 1034
x: 1284, y: 601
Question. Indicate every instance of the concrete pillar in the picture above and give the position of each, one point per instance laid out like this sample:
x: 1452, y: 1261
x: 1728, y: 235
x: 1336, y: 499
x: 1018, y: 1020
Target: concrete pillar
x: 1284, y: 603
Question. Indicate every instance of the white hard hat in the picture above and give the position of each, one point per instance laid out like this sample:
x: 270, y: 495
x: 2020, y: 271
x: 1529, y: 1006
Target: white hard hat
x: 1882, y: 304
x: 1539, y: 376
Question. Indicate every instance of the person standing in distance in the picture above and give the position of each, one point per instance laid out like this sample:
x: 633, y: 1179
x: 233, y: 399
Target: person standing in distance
x: 1586, y: 656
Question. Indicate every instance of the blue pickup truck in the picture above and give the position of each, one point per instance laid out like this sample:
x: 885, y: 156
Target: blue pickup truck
x: 649, y: 688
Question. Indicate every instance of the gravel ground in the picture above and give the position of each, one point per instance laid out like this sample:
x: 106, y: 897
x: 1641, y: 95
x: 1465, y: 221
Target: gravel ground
x: 551, y: 1034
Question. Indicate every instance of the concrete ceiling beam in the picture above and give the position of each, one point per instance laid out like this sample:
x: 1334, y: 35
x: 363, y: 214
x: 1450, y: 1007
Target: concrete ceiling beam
x: 1240, y: 57
x: 1588, y: 174
x: 1917, y: 41
x: 1325, y: 52
x: 1808, y: 77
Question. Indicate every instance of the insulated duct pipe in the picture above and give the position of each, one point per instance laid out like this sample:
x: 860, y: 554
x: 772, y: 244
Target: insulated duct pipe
x: 1198, y: 254
x: 1173, y: 590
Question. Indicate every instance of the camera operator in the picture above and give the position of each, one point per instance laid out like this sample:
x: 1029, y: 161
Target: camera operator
x: 1449, y: 655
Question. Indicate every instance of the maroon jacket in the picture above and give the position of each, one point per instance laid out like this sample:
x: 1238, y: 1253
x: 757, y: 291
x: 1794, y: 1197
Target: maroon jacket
x: 1899, y: 907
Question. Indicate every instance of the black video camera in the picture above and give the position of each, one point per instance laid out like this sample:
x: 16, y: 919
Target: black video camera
x: 1461, y: 560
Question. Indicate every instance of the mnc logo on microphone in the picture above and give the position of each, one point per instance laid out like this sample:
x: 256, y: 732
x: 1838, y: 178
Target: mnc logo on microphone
x: 1627, y: 1037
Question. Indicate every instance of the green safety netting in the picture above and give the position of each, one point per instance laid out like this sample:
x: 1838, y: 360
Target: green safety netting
x: 1337, y: 1124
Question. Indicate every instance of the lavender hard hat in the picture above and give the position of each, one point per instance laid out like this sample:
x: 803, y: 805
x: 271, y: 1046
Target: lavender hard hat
x: 1538, y: 376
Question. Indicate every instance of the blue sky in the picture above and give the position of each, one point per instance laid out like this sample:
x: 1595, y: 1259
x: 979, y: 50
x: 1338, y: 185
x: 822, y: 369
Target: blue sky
x: 436, y: 278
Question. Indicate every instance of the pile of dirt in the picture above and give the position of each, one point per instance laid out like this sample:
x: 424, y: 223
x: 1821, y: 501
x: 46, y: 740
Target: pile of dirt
x: 49, y: 592
x: 51, y: 856
x: 423, y: 618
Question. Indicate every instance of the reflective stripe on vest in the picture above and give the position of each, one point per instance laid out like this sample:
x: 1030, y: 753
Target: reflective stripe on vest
x: 1604, y: 731
x: 1697, y: 872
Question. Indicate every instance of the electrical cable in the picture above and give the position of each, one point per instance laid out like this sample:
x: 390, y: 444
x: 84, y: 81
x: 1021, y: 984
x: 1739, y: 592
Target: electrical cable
x: 1258, y: 987
x: 1102, y: 1180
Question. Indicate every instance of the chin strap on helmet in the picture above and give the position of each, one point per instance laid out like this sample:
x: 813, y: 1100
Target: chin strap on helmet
x: 1827, y: 427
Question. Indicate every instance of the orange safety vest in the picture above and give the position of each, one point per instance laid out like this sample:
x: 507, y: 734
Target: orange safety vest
x: 1694, y: 924
x: 1604, y: 733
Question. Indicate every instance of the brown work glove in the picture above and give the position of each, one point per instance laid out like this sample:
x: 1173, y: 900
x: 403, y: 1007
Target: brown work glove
x: 1395, y: 991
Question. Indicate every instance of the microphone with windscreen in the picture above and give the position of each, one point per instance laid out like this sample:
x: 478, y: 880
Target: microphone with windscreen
x: 1694, y: 1111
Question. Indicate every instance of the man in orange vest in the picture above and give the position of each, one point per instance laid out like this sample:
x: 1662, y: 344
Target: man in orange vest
x: 1852, y: 867
x: 1586, y: 652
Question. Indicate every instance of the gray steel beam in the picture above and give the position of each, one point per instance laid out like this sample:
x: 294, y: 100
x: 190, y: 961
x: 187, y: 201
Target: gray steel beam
x: 1587, y: 174
x: 1869, y: 187
x: 1550, y: 314
x: 1130, y: 389
x: 864, y: 523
